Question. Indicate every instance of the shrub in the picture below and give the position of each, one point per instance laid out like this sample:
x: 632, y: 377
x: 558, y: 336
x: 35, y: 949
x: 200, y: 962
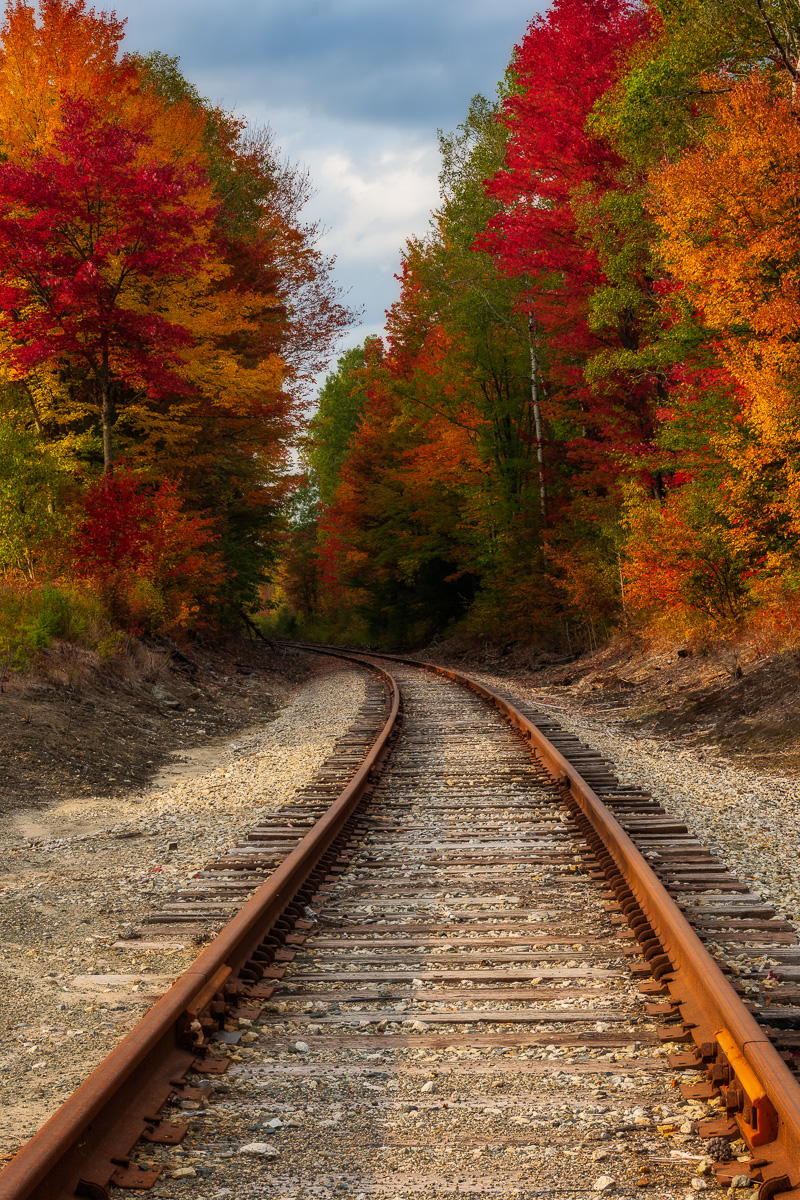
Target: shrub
x: 155, y: 567
x: 33, y: 616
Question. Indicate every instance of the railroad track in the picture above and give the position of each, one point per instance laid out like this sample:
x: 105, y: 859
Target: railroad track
x: 471, y: 973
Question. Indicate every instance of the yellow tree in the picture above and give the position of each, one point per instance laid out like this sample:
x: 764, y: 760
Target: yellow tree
x: 729, y: 212
x: 730, y: 215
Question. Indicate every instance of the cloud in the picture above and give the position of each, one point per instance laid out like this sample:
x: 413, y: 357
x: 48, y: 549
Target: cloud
x: 373, y: 203
x: 375, y: 198
x: 371, y: 195
x: 354, y: 90
x: 374, y: 60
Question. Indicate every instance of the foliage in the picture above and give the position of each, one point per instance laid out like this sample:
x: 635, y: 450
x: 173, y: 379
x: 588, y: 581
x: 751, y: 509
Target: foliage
x: 150, y: 562
x: 33, y: 616
x: 340, y: 405
x: 585, y: 410
x: 92, y: 234
x: 682, y: 562
x: 163, y: 305
x: 34, y: 522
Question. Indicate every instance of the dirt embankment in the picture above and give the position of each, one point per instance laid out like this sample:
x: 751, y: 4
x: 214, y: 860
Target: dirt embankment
x: 81, y: 726
x: 729, y: 703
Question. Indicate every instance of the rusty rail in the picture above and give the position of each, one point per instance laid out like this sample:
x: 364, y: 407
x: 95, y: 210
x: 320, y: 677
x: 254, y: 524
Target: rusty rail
x: 719, y: 1024
x: 763, y: 1096
x: 86, y: 1144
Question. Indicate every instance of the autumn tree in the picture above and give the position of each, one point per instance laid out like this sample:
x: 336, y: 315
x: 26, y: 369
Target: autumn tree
x: 340, y: 406
x: 634, y: 212
x: 556, y: 167
x: 35, y: 520
x: 92, y: 234
x: 481, y: 306
x: 727, y: 210
x: 154, y: 565
x: 164, y: 303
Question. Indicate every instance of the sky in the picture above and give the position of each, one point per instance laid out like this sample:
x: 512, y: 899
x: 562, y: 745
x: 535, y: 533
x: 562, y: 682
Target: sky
x: 355, y: 91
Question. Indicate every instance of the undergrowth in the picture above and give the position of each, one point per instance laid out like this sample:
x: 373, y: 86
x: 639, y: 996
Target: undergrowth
x: 344, y: 629
x: 34, y: 616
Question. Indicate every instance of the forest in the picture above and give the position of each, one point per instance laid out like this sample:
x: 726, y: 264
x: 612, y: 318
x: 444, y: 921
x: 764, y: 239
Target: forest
x: 163, y: 309
x: 583, y: 415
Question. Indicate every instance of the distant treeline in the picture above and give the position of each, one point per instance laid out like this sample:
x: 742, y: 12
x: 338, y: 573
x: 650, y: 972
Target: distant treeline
x: 586, y: 410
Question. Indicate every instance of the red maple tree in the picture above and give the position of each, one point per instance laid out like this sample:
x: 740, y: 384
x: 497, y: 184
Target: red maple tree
x: 152, y: 563
x: 90, y: 233
x: 556, y: 169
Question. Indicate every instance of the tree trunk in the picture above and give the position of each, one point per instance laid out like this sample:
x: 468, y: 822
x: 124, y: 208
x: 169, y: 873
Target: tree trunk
x: 107, y: 410
x: 34, y: 410
x: 537, y: 416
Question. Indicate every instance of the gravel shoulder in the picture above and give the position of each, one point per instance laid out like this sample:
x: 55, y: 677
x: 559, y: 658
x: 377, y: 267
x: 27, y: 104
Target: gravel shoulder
x: 460, y: 1019
x: 750, y: 818
x: 79, y: 874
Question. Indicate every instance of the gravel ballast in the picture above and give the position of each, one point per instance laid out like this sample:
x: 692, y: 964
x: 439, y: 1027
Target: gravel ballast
x: 749, y: 819
x: 76, y: 878
x: 399, y: 1056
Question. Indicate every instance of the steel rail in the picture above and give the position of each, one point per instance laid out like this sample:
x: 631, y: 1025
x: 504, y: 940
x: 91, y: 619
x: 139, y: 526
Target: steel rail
x: 713, y: 1014
x: 86, y: 1144
x: 766, y: 1105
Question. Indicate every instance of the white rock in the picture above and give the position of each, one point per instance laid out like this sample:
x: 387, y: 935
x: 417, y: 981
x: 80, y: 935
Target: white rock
x: 183, y: 1173
x: 301, y: 1047
x: 698, y: 1185
x: 428, y: 1087
x: 260, y: 1149
x: 275, y: 1123
x: 604, y: 1184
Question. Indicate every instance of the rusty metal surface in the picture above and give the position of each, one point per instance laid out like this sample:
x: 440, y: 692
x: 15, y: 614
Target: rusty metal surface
x: 86, y: 1143
x: 713, y: 1014
x: 761, y: 1101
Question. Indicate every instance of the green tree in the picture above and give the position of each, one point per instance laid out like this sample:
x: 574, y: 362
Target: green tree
x: 340, y: 405
x: 34, y: 521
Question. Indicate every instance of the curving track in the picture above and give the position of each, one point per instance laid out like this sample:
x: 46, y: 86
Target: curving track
x: 456, y: 1011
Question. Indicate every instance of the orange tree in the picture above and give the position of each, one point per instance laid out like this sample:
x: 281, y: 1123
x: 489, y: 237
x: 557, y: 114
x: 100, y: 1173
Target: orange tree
x: 728, y: 212
x: 166, y: 303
